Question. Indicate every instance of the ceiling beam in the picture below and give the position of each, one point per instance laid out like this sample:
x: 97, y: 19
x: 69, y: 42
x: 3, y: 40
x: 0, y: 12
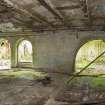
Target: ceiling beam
x: 43, y: 18
x: 89, y: 12
x: 35, y: 16
x: 20, y: 23
x: 34, y: 13
x: 86, y: 10
x: 51, y: 8
x: 24, y: 12
x: 68, y: 7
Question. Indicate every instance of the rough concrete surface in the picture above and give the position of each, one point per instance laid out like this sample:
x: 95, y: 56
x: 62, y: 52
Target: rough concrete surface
x: 35, y: 92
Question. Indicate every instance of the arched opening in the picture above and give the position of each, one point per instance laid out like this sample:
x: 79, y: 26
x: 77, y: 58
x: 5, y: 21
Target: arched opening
x: 87, y: 53
x: 5, y: 54
x: 25, y: 52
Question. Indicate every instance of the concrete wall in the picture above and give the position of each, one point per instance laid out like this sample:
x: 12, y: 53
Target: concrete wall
x: 52, y: 51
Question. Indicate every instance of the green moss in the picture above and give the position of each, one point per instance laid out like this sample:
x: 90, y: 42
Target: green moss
x: 93, y: 82
x: 22, y: 74
x: 98, y: 82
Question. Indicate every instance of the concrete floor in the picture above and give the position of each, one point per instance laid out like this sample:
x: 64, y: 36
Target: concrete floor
x: 29, y: 91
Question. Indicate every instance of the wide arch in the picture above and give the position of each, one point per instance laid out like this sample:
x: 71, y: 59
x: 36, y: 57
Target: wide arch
x: 93, y: 43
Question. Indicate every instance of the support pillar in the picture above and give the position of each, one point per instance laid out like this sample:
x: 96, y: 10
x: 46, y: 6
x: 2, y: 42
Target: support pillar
x: 14, y: 55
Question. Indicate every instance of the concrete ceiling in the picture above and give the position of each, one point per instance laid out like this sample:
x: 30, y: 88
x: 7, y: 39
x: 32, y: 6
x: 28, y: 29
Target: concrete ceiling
x: 38, y: 15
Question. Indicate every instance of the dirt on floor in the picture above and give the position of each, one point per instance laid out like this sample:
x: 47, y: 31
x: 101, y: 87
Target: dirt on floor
x: 50, y: 91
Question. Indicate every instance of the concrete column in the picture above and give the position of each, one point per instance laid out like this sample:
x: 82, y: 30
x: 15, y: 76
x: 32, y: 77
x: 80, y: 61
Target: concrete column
x: 33, y: 51
x: 13, y: 53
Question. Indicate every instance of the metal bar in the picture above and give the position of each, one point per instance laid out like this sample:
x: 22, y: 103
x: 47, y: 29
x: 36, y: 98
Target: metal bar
x: 71, y: 78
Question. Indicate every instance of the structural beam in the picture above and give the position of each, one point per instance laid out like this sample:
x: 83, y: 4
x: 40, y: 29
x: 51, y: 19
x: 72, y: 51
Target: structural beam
x: 24, y: 12
x: 35, y: 16
x: 68, y: 7
x: 39, y: 16
x: 86, y: 10
x: 24, y: 23
x: 50, y: 8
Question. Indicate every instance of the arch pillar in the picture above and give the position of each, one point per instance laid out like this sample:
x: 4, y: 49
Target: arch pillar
x: 13, y: 53
x: 33, y: 53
